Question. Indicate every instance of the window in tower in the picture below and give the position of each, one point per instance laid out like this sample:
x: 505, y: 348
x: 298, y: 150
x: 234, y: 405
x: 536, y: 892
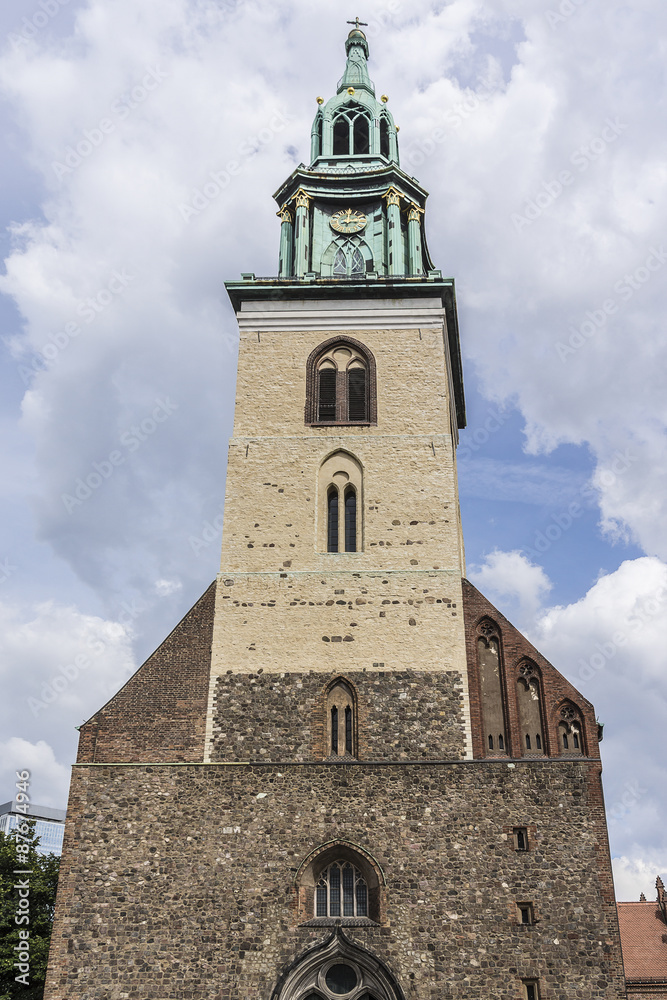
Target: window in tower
x: 384, y: 137
x: 525, y: 913
x: 357, y: 265
x: 326, y: 396
x: 332, y: 519
x: 341, y: 891
x: 340, y: 384
x: 350, y: 519
x: 340, y: 264
x: 340, y: 709
x: 531, y: 990
x: 361, y: 134
x: 339, y: 520
x: 520, y: 838
x: 341, y: 136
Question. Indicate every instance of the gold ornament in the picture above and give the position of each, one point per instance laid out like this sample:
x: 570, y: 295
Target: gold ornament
x: 320, y: 100
x: 384, y: 98
x: 348, y: 221
x: 350, y: 90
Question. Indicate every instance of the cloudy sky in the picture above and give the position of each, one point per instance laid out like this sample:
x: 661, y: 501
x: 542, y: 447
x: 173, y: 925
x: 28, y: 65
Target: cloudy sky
x: 538, y: 128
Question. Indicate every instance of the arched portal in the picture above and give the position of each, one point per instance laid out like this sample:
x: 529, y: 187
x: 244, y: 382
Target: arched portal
x: 334, y: 969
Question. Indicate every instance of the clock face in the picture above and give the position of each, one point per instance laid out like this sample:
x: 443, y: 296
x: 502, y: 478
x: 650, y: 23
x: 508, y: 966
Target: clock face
x: 348, y: 221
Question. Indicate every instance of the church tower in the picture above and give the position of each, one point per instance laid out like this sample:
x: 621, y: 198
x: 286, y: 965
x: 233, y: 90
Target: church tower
x: 344, y: 774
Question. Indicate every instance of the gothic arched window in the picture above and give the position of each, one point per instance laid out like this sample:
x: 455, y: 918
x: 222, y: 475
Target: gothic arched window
x: 351, y: 131
x: 529, y: 705
x: 570, y: 730
x: 340, y: 384
x: 384, y: 136
x: 492, y: 688
x: 340, y: 500
x: 341, y: 891
x: 340, y: 720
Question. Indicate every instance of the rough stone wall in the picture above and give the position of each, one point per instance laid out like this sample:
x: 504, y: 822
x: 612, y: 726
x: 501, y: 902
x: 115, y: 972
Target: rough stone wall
x: 515, y: 648
x: 410, y: 715
x: 160, y: 714
x: 181, y: 881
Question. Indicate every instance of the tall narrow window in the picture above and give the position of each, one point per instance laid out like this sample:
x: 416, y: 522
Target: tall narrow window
x: 384, y: 137
x: 361, y: 134
x: 332, y: 519
x: 326, y: 406
x: 357, y: 266
x: 350, y: 519
x: 340, y: 709
x: 356, y: 394
x: 341, y: 136
x: 340, y: 264
x: 334, y: 729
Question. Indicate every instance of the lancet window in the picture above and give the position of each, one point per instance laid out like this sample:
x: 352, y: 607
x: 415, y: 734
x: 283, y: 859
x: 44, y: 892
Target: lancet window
x: 570, y: 730
x: 341, y: 504
x: 340, y: 720
x: 491, y: 683
x: 529, y: 704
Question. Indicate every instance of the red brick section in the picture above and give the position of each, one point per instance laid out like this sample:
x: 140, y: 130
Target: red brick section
x: 644, y: 941
x: 160, y: 714
x: 515, y: 650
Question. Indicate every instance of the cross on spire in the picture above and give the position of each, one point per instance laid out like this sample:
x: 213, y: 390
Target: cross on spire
x: 357, y: 22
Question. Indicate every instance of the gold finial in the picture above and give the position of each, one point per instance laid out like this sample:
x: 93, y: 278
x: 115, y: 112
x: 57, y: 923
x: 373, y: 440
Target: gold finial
x: 384, y: 98
x: 320, y: 100
x: 398, y: 128
x: 350, y: 90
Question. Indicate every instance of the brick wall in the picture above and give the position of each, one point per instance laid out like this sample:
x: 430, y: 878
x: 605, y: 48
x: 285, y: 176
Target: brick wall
x: 515, y: 649
x: 160, y: 714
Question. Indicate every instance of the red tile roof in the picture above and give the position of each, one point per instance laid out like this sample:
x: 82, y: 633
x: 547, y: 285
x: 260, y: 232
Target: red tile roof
x: 644, y: 941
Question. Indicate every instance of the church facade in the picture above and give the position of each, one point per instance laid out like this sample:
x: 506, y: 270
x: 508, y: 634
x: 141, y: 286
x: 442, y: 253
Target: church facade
x: 344, y: 774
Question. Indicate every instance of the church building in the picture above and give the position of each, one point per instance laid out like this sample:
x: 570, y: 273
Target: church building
x: 344, y: 775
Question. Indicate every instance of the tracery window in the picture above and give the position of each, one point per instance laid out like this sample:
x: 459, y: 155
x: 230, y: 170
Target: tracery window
x: 341, y: 891
x: 570, y: 730
x: 339, y: 527
x: 351, y: 131
x: 340, y: 384
x: 529, y: 705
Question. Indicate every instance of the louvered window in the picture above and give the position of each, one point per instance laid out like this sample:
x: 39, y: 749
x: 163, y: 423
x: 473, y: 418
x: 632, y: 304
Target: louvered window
x: 384, y: 137
x: 341, y: 892
x: 326, y: 408
x: 348, y: 730
x: 340, y: 264
x: 356, y: 394
x: 332, y: 520
x: 357, y: 267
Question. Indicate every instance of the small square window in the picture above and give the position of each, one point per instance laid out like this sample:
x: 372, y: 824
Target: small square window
x: 520, y: 838
x: 531, y: 989
x: 525, y: 913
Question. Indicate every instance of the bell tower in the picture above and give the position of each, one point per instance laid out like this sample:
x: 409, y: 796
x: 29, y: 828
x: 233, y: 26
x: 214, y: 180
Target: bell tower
x: 344, y: 775
x: 341, y: 513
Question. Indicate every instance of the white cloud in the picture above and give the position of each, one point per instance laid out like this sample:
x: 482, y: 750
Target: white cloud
x: 633, y: 876
x: 57, y: 667
x: 512, y: 582
x: 49, y: 780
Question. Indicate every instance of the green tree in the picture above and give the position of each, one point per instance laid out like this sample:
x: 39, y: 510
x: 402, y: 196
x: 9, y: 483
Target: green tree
x: 42, y: 883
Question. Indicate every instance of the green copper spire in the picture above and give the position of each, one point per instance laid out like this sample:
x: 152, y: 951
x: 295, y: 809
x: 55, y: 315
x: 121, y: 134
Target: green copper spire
x: 353, y: 214
x: 356, y: 70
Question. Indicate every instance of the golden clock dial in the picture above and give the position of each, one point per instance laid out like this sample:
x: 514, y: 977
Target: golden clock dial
x: 348, y: 221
